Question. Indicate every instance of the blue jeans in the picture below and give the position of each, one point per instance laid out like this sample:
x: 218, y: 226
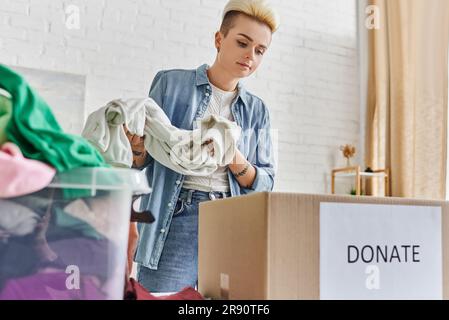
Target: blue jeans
x: 178, y: 266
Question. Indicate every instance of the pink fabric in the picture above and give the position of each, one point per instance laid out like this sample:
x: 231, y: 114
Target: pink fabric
x: 20, y: 176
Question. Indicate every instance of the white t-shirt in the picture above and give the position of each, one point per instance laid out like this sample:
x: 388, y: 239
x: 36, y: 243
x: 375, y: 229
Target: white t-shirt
x: 220, y: 104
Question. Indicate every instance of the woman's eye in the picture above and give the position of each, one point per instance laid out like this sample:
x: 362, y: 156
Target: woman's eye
x: 241, y: 44
x: 260, y: 52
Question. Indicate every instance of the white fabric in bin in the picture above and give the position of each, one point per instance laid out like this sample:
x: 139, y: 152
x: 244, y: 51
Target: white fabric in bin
x: 183, y: 151
x: 15, y: 219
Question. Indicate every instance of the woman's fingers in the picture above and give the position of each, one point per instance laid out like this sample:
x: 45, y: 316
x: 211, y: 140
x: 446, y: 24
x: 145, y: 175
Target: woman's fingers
x: 134, y: 139
x: 128, y: 134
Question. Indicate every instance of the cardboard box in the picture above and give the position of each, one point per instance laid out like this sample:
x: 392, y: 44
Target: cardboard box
x: 267, y: 245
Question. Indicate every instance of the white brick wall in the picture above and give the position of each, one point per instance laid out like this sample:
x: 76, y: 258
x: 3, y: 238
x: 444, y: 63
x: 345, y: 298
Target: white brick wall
x: 309, y: 78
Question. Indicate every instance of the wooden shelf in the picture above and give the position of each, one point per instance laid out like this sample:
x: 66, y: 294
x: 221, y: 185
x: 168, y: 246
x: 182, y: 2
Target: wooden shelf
x: 358, y: 174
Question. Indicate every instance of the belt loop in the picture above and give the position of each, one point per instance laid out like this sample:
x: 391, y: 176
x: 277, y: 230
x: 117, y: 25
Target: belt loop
x: 189, y: 196
x: 224, y: 195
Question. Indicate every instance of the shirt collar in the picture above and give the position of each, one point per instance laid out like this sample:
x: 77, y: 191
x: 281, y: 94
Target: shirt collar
x: 202, y: 79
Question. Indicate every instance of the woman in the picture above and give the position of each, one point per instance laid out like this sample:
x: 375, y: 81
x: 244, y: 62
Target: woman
x: 167, y: 253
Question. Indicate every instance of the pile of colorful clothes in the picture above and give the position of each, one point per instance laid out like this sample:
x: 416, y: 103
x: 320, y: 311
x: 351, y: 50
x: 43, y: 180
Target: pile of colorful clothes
x: 38, y: 239
x: 54, y: 244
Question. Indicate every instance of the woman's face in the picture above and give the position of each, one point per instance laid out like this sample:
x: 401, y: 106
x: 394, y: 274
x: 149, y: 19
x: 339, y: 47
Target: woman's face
x: 242, y: 50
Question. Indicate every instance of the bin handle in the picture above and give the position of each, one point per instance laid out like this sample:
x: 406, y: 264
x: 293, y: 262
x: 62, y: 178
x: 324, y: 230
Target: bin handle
x: 140, y: 216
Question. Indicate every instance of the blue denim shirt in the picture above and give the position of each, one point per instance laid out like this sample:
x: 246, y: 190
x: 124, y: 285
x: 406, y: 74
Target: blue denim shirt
x: 184, y: 96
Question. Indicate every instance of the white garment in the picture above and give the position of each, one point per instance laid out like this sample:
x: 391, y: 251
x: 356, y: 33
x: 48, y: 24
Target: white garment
x: 105, y: 131
x: 183, y: 151
x: 15, y: 219
x: 219, y: 105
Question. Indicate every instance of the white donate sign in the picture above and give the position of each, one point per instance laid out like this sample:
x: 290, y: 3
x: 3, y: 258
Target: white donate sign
x: 370, y: 251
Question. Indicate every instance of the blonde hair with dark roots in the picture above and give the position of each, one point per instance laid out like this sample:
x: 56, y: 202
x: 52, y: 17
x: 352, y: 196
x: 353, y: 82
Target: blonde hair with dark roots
x: 259, y: 10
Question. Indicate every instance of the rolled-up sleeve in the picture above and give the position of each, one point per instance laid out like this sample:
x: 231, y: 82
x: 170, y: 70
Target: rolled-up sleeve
x: 264, y: 159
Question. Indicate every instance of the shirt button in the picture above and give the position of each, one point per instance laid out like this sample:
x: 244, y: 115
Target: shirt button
x: 207, y: 94
x: 162, y: 230
x: 178, y: 182
x: 170, y: 205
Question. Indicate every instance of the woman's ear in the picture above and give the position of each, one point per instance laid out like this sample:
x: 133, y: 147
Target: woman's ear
x: 218, y: 39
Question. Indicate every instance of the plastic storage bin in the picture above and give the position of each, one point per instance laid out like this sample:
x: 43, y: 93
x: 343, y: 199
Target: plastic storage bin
x: 69, y: 240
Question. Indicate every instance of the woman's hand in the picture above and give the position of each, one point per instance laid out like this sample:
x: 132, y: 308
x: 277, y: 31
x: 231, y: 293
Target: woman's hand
x: 137, y: 147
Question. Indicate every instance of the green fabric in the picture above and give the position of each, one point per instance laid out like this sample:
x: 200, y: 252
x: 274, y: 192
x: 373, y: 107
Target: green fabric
x: 35, y: 130
x: 5, y: 115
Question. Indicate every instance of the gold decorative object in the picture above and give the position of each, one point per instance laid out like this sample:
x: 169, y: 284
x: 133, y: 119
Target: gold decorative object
x: 348, y: 152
